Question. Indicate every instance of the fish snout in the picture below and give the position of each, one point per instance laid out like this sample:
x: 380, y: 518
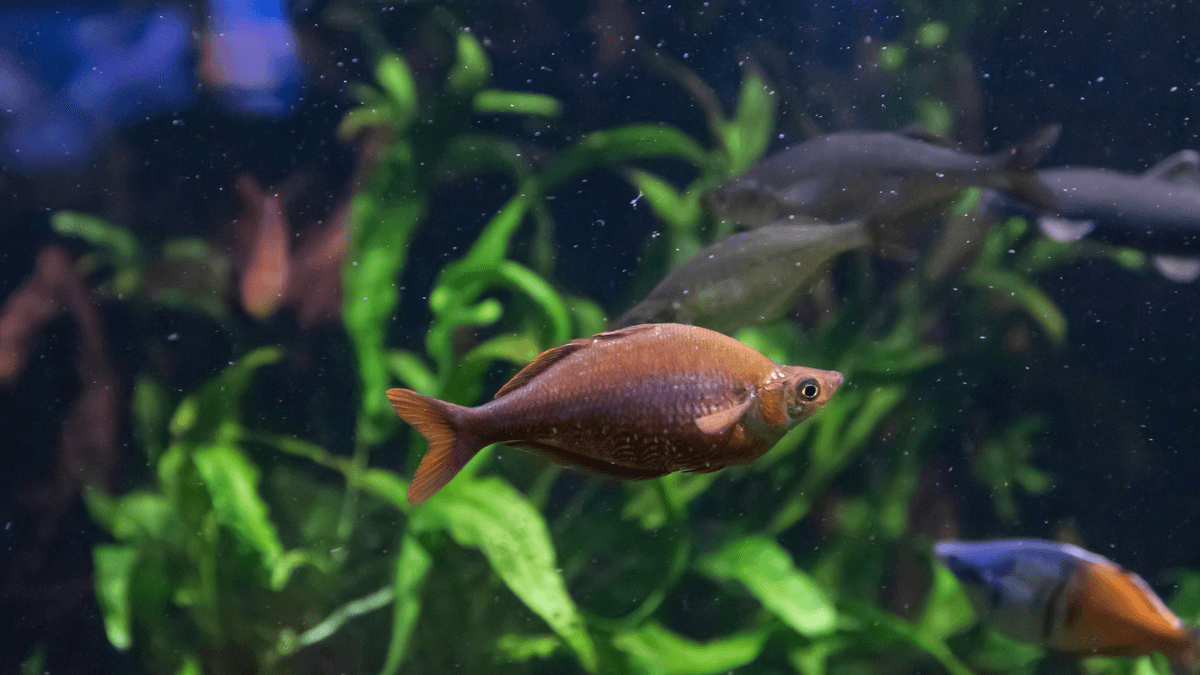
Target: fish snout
x: 835, y: 380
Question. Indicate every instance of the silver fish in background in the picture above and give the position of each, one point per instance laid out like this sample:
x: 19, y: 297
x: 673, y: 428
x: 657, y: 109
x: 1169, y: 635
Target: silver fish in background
x: 746, y: 278
x: 1068, y: 600
x: 1157, y: 211
x: 854, y: 175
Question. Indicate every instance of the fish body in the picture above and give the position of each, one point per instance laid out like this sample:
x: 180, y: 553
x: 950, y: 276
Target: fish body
x: 635, y: 403
x: 746, y: 278
x: 1157, y: 211
x: 855, y: 175
x: 1068, y: 599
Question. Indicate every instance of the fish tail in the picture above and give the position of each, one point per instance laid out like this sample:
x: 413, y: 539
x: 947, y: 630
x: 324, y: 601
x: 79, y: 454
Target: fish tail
x: 1187, y: 660
x: 1019, y: 178
x: 451, y: 445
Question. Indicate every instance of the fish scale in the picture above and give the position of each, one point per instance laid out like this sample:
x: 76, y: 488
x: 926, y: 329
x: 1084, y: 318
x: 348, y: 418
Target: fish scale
x: 634, y: 403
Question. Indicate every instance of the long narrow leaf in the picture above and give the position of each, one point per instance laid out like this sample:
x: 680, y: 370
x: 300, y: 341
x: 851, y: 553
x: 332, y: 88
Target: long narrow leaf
x: 232, y: 482
x: 412, y: 565
x: 491, y: 515
x: 767, y: 571
x: 114, y: 574
x: 654, y: 649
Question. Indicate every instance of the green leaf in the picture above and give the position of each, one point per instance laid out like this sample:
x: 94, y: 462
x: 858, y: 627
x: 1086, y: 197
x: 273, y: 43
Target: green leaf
x: 190, y: 666
x: 678, y: 210
x: 35, y: 662
x: 525, y: 280
x: 935, y: 117
x: 471, y: 70
x: 767, y: 571
x: 654, y: 649
x: 489, y: 249
x: 410, y: 369
x: 336, y: 619
x: 491, y: 515
x: 1029, y: 297
x: 364, y: 116
x: 746, y: 137
x: 515, y: 349
x: 469, y: 155
x: 378, y: 251
x: 879, y: 620
x: 387, y: 486
x: 146, y: 516
x: 622, y: 144
x: 646, y: 503
x: 114, y: 574
x: 495, y: 101
x: 811, y: 658
x: 232, y: 482
x: 412, y: 565
x: 521, y: 648
x: 120, y: 246
x: 947, y: 609
x: 394, y: 76
x: 200, y: 417
x: 879, y: 402
x: 590, y: 318
x: 149, y: 411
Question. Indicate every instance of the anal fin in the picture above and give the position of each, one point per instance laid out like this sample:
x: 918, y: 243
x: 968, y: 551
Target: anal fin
x: 592, y: 464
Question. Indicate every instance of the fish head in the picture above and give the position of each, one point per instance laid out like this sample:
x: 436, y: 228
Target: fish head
x: 806, y: 390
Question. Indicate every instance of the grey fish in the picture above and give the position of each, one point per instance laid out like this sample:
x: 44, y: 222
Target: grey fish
x: 746, y: 278
x: 1157, y: 211
x: 855, y: 175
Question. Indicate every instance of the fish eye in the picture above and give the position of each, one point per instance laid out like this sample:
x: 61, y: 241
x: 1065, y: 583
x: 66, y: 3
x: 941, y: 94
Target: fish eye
x: 809, y: 389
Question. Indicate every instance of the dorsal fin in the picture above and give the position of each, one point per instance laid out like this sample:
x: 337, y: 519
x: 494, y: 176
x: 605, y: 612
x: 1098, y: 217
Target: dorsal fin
x: 1183, y: 166
x: 1026, y: 154
x: 719, y: 422
x: 541, y: 364
x: 552, y: 356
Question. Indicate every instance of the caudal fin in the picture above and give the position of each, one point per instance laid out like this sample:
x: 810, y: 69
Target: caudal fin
x: 1020, y: 179
x: 1186, y: 661
x: 450, y: 446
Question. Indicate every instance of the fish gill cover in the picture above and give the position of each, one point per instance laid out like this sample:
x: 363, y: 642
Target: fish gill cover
x: 200, y: 322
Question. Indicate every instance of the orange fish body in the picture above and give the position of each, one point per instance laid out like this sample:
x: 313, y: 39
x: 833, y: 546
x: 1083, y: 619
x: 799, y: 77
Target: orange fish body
x: 1112, y: 612
x: 636, y: 403
x: 1068, y: 599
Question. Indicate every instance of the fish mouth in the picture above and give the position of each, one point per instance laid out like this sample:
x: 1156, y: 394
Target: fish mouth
x: 833, y: 380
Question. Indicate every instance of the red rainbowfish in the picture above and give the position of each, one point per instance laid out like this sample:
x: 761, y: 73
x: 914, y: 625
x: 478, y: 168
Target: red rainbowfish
x: 1068, y: 599
x: 635, y: 403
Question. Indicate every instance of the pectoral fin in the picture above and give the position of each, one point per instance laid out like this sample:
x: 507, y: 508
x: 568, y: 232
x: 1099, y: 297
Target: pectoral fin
x: 1177, y: 268
x: 721, y: 421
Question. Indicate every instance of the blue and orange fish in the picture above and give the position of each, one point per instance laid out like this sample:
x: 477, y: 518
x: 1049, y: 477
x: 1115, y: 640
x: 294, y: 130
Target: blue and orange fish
x: 1069, y: 600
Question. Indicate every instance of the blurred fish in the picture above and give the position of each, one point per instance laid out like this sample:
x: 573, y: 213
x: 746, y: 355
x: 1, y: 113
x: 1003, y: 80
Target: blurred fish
x: 746, y: 278
x: 1068, y: 599
x: 69, y: 76
x: 635, y: 403
x: 1157, y: 211
x: 265, y: 273
x: 853, y: 175
x: 251, y: 56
